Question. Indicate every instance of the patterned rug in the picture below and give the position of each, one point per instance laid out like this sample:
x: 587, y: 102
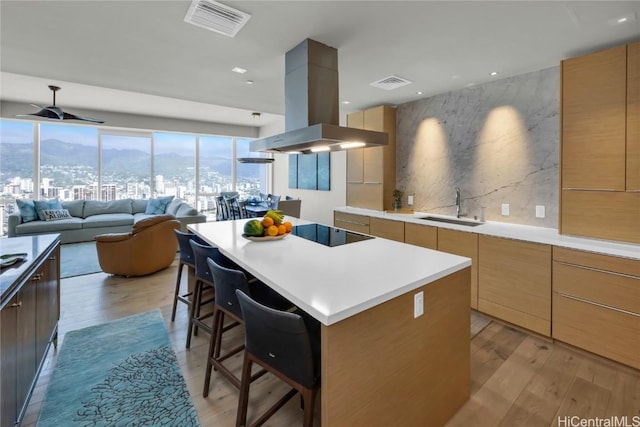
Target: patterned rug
x: 77, y: 259
x: 120, y: 373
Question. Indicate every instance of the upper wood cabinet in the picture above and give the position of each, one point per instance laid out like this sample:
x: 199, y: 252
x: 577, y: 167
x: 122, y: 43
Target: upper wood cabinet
x: 594, y: 93
x: 371, y: 172
x: 600, y: 144
x: 633, y: 117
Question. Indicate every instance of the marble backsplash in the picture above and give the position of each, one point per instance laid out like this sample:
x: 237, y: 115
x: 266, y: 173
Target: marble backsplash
x: 498, y: 142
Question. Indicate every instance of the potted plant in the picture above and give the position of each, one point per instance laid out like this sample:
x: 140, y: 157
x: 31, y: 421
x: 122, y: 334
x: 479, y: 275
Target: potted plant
x: 397, y: 199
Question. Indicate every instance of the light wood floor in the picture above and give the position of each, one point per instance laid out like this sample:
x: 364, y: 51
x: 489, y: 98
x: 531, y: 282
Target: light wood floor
x: 517, y: 379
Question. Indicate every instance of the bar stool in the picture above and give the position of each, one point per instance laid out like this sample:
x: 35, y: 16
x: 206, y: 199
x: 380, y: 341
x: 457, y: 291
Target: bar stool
x: 204, y: 283
x: 186, y: 258
x: 288, y: 346
x: 226, y: 282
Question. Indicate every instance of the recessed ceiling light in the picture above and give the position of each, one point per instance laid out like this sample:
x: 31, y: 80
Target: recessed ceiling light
x: 249, y: 82
x: 493, y: 73
x: 346, y: 102
x: 239, y: 70
x: 455, y: 77
x: 419, y: 93
x: 622, y: 19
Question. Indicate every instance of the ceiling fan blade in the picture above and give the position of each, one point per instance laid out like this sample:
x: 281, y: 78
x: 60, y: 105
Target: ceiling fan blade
x: 69, y: 116
x: 53, y: 113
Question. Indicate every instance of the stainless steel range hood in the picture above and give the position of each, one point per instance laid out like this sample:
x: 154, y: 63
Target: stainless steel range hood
x: 312, y: 106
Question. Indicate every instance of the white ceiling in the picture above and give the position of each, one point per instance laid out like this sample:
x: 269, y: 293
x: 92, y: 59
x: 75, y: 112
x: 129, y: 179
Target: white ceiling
x: 141, y: 57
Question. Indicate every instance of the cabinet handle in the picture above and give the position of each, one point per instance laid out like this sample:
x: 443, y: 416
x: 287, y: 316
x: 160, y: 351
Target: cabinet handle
x: 16, y: 304
x: 52, y: 258
x: 36, y: 277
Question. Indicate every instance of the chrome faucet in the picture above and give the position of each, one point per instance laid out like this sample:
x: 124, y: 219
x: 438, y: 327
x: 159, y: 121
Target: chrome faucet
x: 458, y: 203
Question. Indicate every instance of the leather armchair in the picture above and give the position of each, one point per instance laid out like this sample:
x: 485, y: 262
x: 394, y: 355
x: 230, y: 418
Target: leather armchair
x: 150, y: 246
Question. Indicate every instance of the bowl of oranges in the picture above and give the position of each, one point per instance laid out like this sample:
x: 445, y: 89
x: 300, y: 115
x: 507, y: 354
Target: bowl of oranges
x: 271, y: 227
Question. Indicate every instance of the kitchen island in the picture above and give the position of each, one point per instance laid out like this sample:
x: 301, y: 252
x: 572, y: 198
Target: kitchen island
x: 380, y: 364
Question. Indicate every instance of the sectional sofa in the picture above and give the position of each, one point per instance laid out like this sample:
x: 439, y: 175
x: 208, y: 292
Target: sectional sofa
x: 88, y: 218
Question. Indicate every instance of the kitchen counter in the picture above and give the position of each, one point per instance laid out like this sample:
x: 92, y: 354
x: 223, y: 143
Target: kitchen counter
x: 332, y: 283
x: 549, y: 236
x: 380, y: 363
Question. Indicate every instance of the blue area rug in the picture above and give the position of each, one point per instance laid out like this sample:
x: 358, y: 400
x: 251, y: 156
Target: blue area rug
x: 120, y: 373
x: 77, y: 259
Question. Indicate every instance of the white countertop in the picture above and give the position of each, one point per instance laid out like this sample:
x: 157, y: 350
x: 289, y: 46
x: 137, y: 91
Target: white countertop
x: 332, y: 283
x: 549, y: 236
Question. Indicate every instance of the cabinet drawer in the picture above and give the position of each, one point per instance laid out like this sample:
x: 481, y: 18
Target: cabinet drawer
x: 357, y: 223
x: 627, y: 266
x: 421, y: 235
x: 609, y: 333
x: 387, y: 229
x: 611, y: 289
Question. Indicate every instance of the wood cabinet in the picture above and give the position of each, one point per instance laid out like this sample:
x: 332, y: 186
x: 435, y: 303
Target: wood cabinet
x: 387, y: 229
x: 371, y: 172
x: 633, y: 117
x: 463, y: 244
x: 600, y: 144
x: 353, y: 222
x: 421, y: 235
x: 596, y: 303
x: 30, y: 308
x: 514, y: 282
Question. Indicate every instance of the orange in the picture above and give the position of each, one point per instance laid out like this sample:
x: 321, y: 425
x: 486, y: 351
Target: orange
x: 272, y: 230
x: 288, y: 226
x: 282, y: 229
x: 267, y: 221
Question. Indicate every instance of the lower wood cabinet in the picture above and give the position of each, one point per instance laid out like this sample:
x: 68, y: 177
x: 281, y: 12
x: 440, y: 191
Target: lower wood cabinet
x: 463, y: 244
x: 514, y: 282
x: 387, y: 229
x: 28, y: 325
x: 596, y: 304
x: 421, y: 235
x: 353, y: 222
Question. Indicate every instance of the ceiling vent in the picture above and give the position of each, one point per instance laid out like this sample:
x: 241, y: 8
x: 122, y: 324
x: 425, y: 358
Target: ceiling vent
x: 391, y: 82
x: 217, y: 17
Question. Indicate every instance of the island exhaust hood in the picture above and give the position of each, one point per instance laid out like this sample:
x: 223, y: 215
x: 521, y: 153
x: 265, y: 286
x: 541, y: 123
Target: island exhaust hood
x: 312, y: 106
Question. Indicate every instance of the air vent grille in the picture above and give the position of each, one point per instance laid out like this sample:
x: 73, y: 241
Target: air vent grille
x: 217, y: 17
x: 390, y: 83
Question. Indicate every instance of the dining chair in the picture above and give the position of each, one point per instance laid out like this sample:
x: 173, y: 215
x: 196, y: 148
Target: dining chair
x: 273, y: 201
x: 290, y: 207
x: 222, y: 209
x: 284, y: 344
x: 227, y: 281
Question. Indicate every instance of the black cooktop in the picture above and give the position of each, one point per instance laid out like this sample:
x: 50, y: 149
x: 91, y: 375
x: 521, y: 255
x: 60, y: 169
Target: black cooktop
x: 328, y: 236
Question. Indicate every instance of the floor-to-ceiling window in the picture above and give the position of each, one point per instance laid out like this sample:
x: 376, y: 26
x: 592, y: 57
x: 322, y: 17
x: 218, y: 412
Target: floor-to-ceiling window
x: 16, y: 165
x: 68, y: 166
x: 174, y: 165
x: 125, y: 160
x: 71, y: 161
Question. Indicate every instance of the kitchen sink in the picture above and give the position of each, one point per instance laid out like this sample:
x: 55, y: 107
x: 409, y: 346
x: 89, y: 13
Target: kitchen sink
x: 451, y: 220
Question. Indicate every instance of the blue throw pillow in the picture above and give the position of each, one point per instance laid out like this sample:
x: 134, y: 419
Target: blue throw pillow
x: 27, y: 210
x: 43, y: 205
x: 158, y: 206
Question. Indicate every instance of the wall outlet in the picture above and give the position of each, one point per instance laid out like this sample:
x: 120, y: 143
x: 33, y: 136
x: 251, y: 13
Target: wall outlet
x: 540, y: 211
x: 418, y: 304
x: 410, y: 200
x: 505, y: 209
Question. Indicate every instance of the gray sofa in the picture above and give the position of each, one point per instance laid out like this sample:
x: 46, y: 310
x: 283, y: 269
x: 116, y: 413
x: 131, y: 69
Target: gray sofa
x: 90, y: 218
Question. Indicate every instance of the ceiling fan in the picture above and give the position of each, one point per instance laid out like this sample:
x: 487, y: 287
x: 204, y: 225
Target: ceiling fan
x: 56, y: 113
